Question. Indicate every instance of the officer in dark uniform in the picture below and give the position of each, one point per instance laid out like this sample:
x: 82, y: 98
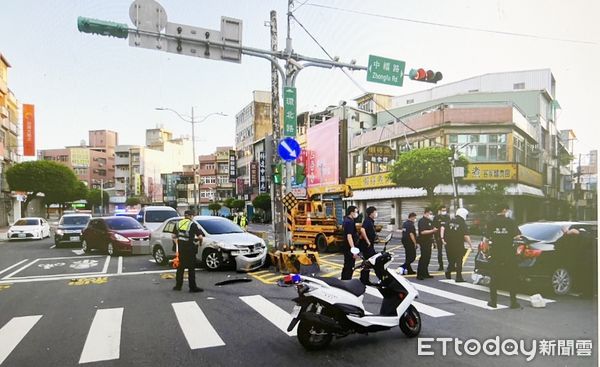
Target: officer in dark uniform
x: 501, y: 232
x: 366, y: 244
x: 350, y: 240
x: 441, y: 222
x: 456, y: 235
x: 186, y: 234
x: 425, y: 240
x: 409, y: 241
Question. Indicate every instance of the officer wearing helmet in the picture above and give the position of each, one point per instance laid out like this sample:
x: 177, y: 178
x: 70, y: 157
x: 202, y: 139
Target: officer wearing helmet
x: 456, y: 235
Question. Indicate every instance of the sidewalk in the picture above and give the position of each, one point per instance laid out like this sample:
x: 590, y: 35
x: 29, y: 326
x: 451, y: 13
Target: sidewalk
x: 3, y: 231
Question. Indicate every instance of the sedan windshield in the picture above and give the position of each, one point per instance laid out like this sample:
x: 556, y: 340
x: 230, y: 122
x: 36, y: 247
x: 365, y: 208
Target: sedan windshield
x: 219, y: 226
x: 27, y: 222
x: 159, y: 216
x: 81, y: 220
x: 548, y: 232
x: 121, y: 223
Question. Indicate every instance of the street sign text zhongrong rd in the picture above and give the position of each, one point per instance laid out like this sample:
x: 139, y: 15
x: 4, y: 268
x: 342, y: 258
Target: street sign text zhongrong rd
x: 385, y: 71
x: 289, y: 111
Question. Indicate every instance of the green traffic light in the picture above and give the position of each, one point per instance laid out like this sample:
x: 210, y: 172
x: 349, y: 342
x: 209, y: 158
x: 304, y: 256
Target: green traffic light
x: 102, y: 27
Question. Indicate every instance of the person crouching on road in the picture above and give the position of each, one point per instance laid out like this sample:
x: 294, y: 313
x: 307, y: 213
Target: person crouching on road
x: 366, y: 244
x: 409, y: 241
x: 456, y: 235
x: 187, y: 233
x: 350, y: 240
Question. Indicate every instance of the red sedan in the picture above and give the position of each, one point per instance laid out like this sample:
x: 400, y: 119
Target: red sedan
x: 116, y: 235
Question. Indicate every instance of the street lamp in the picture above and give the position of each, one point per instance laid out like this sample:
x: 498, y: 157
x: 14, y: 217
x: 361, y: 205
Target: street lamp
x: 192, y: 121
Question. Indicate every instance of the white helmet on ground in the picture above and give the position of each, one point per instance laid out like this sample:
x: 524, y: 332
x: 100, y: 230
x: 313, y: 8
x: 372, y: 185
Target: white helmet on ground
x: 462, y: 212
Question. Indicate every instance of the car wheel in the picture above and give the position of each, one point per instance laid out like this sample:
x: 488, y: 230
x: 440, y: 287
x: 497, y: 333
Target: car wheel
x: 85, y: 247
x: 159, y: 256
x: 110, y: 249
x: 212, y: 259
x: 321, y: 243
x: 562, y: 281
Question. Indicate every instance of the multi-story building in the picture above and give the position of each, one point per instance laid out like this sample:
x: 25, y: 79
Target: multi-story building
x: 93, y: 163
x: 586, y: 186
x: 503, y: 123
x: 139, y: 169
x: 9, y: 136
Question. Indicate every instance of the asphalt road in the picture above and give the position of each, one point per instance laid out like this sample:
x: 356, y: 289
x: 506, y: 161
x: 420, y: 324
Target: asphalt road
x: 59, y: 307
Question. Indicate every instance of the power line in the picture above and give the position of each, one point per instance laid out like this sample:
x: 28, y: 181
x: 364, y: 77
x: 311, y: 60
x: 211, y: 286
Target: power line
x: 466, y: 28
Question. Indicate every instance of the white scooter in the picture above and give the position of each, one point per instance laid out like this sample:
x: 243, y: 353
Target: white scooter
x: 328, y: 307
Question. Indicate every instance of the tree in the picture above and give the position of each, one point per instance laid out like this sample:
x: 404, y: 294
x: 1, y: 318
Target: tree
x: 95, y: 197
x: 57, y: 182
x: 214, y: 207
x: 263, y: 202
x: 488, y: 196
x: 228, y: 203
x: 132, y: 201
x: 424, y: 168
x: 239, y: 204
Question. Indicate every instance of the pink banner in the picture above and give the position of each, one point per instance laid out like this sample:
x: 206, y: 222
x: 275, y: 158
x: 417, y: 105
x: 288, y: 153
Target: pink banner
x: 323, y: 148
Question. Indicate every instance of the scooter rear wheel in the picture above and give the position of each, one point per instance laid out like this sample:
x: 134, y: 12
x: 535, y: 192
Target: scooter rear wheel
x: 410, y: 322
x: 313, y: 337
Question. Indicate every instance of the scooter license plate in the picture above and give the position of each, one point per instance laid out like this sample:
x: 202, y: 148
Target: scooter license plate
x: 296, y: 311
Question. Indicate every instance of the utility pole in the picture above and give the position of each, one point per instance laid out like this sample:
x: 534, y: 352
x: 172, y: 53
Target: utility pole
x: 101, y: 197
x: 578, y: 189
x: 276, y: 203
x: 194, y: 161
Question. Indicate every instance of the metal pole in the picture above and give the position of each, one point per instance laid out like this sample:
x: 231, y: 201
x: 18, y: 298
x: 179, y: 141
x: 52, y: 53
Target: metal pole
x: 276, y: 203
x: 101, y: 197
x: 194, y: 161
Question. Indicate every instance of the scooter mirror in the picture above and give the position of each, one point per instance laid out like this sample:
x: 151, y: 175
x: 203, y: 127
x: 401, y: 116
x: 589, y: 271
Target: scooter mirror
x: 354, y: 251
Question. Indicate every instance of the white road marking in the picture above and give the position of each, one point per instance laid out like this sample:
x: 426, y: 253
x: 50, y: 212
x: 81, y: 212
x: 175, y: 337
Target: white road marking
x: 105, y: 269
x: 104, y: 338
x: 53, y: 246
x: 198, y: 331
x: 422, y: 308
x: 78, y: 252
x: 13, y: 266
x: 456, y: 297
x: 13, y: 332
x: 20, y: 269
x: 478, y: 287
x: 43, y: 278
x: 270, y: 311
x: 120, y: 265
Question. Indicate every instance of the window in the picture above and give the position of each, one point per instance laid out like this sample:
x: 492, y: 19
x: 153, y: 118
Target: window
x: 519, y: 86
x: 481, y: 147
x: 159, y: 216
x: 409, y: 101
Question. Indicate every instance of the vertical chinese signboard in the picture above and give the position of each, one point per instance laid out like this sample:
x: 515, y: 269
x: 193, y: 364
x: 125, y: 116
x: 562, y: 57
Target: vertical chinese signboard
x: 232, y: 166
x: 253, y: 174
x: 262, y: 173
x: 28, y: 130
x: 289, y: 111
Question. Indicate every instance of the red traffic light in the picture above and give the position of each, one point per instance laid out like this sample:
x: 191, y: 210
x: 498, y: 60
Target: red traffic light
x: 428, y: 76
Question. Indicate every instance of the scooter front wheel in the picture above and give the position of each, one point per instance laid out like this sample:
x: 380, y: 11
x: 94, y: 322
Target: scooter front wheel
x: 312, y: 336
x: 410, y: 322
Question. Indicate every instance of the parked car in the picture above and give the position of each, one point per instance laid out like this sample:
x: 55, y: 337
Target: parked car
x: 558, y: 255
x: 224, y: 243
x: 70, y: 227
x: 116, y: 235
x: 132, y: 215
x: 152, y: 217
x: 29, y: 228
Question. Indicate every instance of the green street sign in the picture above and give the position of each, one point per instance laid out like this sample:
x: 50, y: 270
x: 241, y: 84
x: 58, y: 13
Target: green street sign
x: 289, y: 111
x: 385, y: 71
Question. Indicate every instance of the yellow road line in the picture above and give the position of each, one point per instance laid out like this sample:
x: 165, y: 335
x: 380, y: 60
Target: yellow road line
x: 464, y: 260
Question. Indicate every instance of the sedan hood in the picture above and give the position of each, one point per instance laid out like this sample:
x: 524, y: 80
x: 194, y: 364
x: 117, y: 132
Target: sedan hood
x: 135, y: 233
x: 240, y: 239
x: 25, y: 228
x: 69, y: 227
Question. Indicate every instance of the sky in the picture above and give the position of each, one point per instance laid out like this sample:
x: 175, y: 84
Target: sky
x: 80, y: 82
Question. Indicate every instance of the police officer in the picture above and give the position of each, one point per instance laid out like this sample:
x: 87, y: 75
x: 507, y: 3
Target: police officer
x: 236, y: 218
x: 425, y: 240
x: 186, y: 233
x: 501, y: 232
x: 350, y: 240
x: 456, y: 234
x: 441, y: 221
x: 243, y: 221
x: 366, y: 244
x: 409, y: 241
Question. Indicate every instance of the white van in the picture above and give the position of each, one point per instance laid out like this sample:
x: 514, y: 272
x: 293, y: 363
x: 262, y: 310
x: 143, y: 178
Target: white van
x: 152, y: 217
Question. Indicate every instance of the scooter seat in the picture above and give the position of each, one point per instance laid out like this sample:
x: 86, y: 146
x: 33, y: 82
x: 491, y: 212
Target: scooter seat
x: 354, y: 286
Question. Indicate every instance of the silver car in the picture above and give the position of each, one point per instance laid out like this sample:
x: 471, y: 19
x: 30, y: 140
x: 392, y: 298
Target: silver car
x: 225, y: 243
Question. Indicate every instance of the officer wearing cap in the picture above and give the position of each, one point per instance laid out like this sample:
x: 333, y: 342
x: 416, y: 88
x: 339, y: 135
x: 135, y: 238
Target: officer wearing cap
x: 187, y: 234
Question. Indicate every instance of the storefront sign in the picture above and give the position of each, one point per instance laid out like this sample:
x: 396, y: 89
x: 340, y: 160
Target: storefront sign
x: 379, y: 154
x: 232, y: 166
x: 370, y: 181
x: 530, y: 177
x: 491, y: 172
x: 262, y: 173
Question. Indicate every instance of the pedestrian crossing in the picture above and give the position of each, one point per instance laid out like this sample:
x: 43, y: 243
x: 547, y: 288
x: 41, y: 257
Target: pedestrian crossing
x: 104, y: 341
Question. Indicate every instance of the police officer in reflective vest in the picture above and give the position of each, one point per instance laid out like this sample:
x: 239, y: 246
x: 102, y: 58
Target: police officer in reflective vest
x: 243, y: 221
x: 187, y: 233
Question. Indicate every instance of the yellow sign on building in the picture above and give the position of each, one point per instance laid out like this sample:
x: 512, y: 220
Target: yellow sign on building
x: 80, y: 157
x: 370, y: 181
x: 491, y: 172
x: 530, y: 177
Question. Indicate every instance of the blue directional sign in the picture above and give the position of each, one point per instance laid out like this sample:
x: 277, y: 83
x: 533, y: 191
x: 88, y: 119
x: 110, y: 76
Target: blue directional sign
x: 289, y: 149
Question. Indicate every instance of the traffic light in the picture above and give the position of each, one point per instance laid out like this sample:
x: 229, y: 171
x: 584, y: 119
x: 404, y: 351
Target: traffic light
x: 428, y: 76
x: 102, y: 27
x: 276, y: 173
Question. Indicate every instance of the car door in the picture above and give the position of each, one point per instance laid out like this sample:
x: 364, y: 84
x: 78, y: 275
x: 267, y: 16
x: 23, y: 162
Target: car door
x: 166, y: 237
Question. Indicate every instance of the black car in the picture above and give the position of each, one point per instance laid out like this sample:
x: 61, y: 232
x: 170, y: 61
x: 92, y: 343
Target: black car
x: 70, y: 228
x: 558, y: 255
